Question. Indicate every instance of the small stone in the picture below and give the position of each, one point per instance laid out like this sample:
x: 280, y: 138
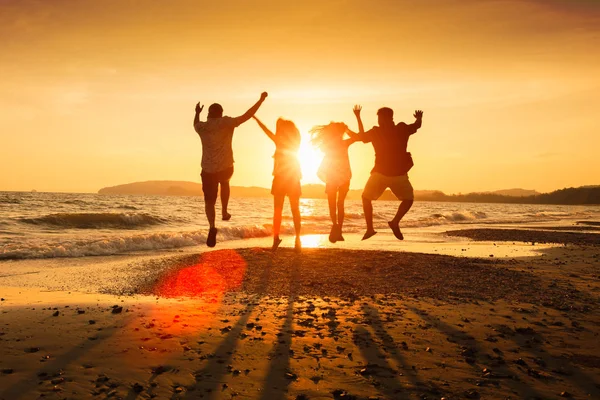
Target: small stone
x: 7, y: 371
x: 55, y: 314
x: 291, y: 376
x: 91, y: 322
x: 565, y: 394
x: 80, y: 311
x: 117, y: 310
x: 32, y: 350
x: 521, y: 362
x: 138, y: 388
x: 158, y: 370
x: 472, y: 394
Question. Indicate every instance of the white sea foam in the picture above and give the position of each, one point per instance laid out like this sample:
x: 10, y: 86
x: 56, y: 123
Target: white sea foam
x: 95, y: 220
x: 123, y: 244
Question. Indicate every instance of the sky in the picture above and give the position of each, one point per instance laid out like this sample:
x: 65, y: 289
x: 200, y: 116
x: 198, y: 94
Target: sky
x: 101, y: 92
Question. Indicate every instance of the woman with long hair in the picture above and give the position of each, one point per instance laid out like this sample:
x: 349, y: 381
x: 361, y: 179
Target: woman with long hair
x: 286, y: 175
x: 335, y: 168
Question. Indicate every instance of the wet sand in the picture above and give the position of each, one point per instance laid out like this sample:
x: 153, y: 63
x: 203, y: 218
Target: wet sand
x: 330, y: 323
x: 530, y: 235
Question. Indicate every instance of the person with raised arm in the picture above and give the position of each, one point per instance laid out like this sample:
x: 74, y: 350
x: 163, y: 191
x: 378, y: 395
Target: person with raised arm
x: 216, y: 134
x: 286, y: 175
x: 335, y: 168
x: 392, y: 163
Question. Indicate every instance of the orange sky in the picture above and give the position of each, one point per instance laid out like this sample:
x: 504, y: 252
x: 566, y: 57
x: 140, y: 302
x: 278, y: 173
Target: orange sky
x: 99, y: 93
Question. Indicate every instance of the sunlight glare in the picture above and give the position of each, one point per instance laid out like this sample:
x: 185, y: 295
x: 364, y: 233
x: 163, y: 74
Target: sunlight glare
x: 313, y: 241
x: 310, y: 159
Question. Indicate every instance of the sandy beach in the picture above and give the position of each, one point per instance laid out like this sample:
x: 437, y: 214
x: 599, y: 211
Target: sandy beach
x: 328, y: 323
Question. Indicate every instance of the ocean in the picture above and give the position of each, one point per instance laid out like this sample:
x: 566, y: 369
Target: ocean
x: 51, y: 225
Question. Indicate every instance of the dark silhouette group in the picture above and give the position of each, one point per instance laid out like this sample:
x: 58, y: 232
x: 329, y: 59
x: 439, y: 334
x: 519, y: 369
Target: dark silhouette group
x: 392, y: 163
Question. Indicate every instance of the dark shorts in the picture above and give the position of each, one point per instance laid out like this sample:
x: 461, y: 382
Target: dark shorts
x: 211, y: 181
x: 334, y: 187
x: 284, y: 186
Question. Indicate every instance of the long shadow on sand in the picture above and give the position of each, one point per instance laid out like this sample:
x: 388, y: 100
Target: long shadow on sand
x: 373, y: 317
x: 277, y: 380
x: 209, y: 377
x: 531, y: 342
x: 474, y: 349
x: 24, y: 387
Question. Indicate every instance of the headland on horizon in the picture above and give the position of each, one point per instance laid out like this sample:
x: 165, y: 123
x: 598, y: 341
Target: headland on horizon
x: 569, y: 196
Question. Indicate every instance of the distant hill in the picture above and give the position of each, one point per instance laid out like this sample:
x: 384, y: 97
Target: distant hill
x: 568, y: 196
x: 516, y: 192
x: 581, y: 195
x: 160, y: 188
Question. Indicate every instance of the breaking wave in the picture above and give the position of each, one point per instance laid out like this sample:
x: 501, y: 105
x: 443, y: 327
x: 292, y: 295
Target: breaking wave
x: 95, y: 220
x: 125, y: 244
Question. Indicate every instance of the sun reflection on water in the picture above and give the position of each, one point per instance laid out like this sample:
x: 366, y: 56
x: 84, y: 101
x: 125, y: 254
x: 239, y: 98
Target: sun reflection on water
x: 307, y: 207
x: 313, y: 241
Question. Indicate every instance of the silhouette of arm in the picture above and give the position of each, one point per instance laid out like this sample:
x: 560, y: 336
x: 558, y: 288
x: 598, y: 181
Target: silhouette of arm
x: 357, y: 108
x: 353, y: 136
x: 199, y: 109
x: 412, y: 128
x: 251, y: 111
x: 361, y: 135
x: 353, y: 139
x: 270, y: 134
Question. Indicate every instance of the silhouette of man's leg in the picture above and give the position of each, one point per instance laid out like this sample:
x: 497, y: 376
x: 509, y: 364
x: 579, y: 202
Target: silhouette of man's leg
x: 209, y: 209
x: 368, y: 211
x: 403, y: 208
x: 374, y: 188
x: 403, y: 190
x: 225, y: 193
x: 210, y: 187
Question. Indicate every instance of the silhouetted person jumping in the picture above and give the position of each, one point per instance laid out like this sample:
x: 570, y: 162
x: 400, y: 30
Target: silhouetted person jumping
x: 392, y: 163
x: 217, y: 158
x: 335, y: 168
x: 286, y: 176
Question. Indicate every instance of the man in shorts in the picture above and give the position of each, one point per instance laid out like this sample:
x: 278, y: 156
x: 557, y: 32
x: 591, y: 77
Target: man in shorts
x: 216, y: 135
x: 392, y: 163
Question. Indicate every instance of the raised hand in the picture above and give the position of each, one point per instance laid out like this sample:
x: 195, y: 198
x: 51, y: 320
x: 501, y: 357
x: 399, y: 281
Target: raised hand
x: 263, y: 95
x: 418, y: 114
x: 357, y: 108
x: 199, y: 108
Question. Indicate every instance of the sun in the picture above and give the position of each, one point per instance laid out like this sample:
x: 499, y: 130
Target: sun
x: 310, y: 159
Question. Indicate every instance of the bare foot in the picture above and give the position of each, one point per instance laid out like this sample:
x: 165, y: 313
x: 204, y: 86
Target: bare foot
x: 333, y: 234
x: 298, y: 245
x: 226, y: 216
x: 369, y: 234
x: 396, y: 229
x: 276, y: 243
x: 211, y: 241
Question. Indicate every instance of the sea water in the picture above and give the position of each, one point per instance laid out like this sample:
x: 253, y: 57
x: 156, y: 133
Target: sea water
x: 50, y: 225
